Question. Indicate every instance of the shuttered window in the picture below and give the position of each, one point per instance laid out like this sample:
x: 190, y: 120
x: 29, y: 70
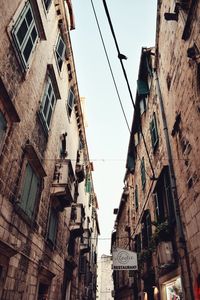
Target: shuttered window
x: 154, y: 131
x: 60, y: 52
x: 136, y: 197
x: 70, y: 102
x: 53, y: 225
x: 131, y: 163
x: 88, y: 185
x: 142, y: 87
x: 48, y: 103
x: 146, y: 229
x: 143, y: 173
x: 29, y: 191
x: 25, y: 34
x: 3, y: 127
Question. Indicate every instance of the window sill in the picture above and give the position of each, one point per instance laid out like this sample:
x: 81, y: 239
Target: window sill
x: 31, y: 222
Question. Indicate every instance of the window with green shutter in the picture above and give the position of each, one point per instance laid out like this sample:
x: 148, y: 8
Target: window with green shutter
x: 30, y: 191
x: 143, y: 173
x: 25, y: 34
x: 142, y: 87
x: 53, y: 225
x: 136, y: 197
x: 60, y: 52
x: 154, y: 131
x: 88, y: 184
x: 48, y: 103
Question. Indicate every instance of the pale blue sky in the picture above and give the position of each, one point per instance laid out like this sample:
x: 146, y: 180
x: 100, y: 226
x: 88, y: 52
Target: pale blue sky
x: 107, y: 134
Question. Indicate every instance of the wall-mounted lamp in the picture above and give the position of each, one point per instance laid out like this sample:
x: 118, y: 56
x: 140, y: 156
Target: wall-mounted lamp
x: 171, y: 16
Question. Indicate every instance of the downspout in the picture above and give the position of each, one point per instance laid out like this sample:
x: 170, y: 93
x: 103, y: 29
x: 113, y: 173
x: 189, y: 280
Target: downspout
x: 181, y: 237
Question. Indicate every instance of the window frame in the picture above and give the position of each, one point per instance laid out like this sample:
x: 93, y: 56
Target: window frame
x: 53, y: 216
x: 154, y: 132
x: 3, y: 129
x: 46, y: 103
x: 20, y: 47
x: 143, y: 173
x: 70, y: 106
x: 60, y: 57
x: 143, y: 105
x: 136, y: 198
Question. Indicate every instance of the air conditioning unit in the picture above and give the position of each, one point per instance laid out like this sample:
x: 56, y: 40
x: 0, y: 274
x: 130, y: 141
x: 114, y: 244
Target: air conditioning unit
x: 165, y: 253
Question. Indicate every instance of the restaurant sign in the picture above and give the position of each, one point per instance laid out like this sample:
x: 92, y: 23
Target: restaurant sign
x: 124, y: 259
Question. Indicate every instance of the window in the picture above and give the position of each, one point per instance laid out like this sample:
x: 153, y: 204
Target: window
x: 136, y: 197
x: 138, y: 243
x: 143, y: 105
x: 88, y: 184
x: 163, y: 198
x: 70, y: 102
x: 48, y: 103
x: 53, y: 225
x: 47, y: 3
x: 3, y: 127
x: 143, y: 173
x: 30, y: 191
x: 131, y: 162
x: 60, y: 52
x: 137, y: 137
x: 154, y: 131
x: 146, y: 229
x: 25, y: 35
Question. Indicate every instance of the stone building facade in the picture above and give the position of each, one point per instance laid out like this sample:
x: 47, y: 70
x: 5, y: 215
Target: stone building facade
x: 48, y: 208
x: 104, y: 279
x: 162, y: 177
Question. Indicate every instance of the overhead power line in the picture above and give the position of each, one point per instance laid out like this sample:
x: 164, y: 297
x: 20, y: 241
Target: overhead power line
x: 109, y: 64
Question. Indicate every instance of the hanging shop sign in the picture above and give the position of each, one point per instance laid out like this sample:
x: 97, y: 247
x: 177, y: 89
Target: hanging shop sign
x: 124, y: 259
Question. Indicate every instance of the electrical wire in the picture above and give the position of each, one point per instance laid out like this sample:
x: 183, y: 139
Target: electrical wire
x: 121, y: 57
x: 109, y: 64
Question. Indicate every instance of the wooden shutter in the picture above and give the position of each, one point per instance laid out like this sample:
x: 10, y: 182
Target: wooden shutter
x: 26, y: 187
x: 142, y: 87
x: 3, y: 126
x: 32, y: 195
x: 88, y: 185
x: 148, y: 227
x: 143, y: 174
x: 53, y: 223
x: 29, y: 191
x: 136, y: 197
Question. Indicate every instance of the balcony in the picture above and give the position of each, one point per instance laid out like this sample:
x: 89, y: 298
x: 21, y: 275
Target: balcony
x: 63, y: 183
x: 76, y: 220
x: 85, y: 241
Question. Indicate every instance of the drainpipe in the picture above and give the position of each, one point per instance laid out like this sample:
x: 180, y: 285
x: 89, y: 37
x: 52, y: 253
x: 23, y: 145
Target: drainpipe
x: 181, y: 241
